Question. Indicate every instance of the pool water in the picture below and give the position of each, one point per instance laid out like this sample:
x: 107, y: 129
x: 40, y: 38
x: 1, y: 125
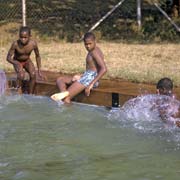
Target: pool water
x: 43, y: 140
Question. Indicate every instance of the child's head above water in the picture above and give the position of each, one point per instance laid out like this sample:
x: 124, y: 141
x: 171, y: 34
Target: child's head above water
x: 165, y: 86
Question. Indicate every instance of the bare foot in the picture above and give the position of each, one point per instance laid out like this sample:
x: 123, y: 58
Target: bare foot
x: 60, y: 96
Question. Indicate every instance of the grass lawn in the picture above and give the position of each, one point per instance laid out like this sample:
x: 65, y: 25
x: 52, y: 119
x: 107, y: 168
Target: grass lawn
x: 134, y: 62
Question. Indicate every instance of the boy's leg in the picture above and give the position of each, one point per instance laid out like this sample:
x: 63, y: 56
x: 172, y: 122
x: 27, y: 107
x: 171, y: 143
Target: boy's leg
x: 67, y: 95
x: 62, y: 82
x: 75, y: 89
x: 30, y: 68
x: 20, y: 76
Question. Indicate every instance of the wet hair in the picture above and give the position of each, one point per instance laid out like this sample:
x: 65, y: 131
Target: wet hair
x: 89, y: 35
x: 165, y: 84
x: 25, y: 29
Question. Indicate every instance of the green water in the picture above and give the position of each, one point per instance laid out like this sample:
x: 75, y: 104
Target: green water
x: 40, y: 140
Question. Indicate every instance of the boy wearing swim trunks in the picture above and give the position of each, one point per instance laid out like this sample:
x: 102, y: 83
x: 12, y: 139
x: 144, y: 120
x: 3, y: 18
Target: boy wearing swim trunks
x: 19, y: 57
x: 95, y: 69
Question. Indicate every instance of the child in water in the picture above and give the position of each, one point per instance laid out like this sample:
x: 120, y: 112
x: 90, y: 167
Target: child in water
x: 19, y: 56
x: 169, y: 108
x: 161, y: 106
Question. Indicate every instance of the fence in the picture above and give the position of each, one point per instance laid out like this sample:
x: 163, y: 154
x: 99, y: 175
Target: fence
x: 16, y: 11
x: 10, y: 11
x: 67, y: 19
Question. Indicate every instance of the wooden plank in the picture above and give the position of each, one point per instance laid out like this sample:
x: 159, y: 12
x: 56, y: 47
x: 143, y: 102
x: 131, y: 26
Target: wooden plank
x: 97, y: 98
x: 109, y: 92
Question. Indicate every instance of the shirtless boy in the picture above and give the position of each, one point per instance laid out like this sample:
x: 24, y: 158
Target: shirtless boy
x: 169, y: 108
x: 165, y: 87
x: 95, y: 69
x: 163, y: 106
x: 19, y: 57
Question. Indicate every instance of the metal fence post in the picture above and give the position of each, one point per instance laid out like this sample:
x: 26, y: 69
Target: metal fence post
x: 139, y: 13
x: 24, y: 12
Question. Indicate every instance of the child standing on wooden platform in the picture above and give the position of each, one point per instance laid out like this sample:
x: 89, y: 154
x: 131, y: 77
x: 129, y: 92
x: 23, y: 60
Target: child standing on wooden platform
x: 19, y: 56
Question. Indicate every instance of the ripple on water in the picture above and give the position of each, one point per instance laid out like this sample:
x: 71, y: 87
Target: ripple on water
x: 40, y: 139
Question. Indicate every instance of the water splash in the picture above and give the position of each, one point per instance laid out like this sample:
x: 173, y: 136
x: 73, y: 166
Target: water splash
x: 145, y: 113
x: 2, y: 82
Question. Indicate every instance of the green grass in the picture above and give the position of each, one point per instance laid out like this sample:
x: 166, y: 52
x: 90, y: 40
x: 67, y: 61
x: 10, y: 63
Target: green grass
x: 133, y: 62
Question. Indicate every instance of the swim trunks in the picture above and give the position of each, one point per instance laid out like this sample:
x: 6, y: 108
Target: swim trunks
x: 88, y: 77
x: 23, y: 63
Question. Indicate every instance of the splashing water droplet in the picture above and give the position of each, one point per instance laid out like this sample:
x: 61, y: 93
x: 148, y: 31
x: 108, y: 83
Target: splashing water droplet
x: 2, y: 82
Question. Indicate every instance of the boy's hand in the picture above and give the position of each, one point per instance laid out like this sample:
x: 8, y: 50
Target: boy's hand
x: 39, y: 73
x: 41, y: 76
x: 15, y: 62
x: 76, y: 77
x: 18, y: 66
x: 88, y: 89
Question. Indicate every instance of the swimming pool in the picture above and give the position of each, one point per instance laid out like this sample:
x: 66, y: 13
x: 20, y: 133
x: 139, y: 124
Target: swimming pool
x: 43, y: 140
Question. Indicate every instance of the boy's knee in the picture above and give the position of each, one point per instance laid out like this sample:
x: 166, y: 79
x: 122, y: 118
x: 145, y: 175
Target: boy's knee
x: 32, y: 75
x: 21, y: 75
x: 59, y: 80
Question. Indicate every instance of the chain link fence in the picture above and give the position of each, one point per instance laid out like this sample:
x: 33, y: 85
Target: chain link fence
x: 49, y: 18
x: 11, y: 11
x: 70, y: 19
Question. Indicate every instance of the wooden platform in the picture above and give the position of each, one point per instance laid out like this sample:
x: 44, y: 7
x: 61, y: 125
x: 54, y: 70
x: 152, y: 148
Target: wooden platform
x: 111, y: 93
